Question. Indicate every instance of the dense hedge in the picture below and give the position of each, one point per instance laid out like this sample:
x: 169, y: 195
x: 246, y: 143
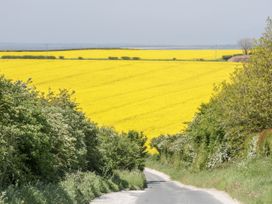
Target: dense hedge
x: 28, y: 57
x: 113, y: 58
x: 226, y: 57
x: 126, y: 58
x: 118, y: 151
x: 45, y: 136
x: 229, y: 126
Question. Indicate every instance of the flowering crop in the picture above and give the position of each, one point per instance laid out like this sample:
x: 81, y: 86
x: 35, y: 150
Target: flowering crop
x: 156, y: 97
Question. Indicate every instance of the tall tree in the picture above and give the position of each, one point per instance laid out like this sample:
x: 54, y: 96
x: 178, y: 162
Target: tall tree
x: 246, y: 44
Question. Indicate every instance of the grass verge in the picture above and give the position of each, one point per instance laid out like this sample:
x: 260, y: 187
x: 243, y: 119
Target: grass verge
x: 77, y: 188
x: 248, y: 181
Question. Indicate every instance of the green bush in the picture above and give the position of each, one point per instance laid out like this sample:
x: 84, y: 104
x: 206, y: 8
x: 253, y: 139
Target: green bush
x: 45, y: 136
x: 226, y: 57
x: 125, y: 58
x: 124, y: 151
x: 224, y: 129
x: 41, y: 136
x: 113, y: 58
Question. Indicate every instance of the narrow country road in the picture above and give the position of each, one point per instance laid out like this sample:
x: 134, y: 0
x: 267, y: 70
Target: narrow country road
x: 161, y: 190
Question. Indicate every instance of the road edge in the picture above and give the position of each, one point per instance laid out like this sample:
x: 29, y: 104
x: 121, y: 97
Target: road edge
x: 125, y: 196
x: 221, y: 196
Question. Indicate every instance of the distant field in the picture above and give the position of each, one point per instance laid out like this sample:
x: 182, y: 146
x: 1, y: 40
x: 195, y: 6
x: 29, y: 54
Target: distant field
x: 144, y: 54
x: 150, y: 96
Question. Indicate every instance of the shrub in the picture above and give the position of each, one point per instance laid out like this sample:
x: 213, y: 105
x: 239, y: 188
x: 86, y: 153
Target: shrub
x: 124, y: 151
x: 136, y: 58
x: 41, y: 136
x: 125, y: 58
x: 61, y: 57
x: 113, y: 58
x: 226, y: 57
x: 45, y: 136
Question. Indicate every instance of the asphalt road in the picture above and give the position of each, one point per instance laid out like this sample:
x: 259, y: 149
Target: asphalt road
x: 162, y: 191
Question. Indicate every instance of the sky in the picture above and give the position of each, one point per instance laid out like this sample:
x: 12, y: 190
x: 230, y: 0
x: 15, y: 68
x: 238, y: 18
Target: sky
x: 143, y: 22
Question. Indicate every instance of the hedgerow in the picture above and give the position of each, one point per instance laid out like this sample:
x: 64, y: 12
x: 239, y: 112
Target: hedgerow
x: 44, y: 137
x: 28, y: 57
x: 235, y: 123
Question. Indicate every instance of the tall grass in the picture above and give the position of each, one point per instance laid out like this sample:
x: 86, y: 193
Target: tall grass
x: 135, y: 179
x: 248, y: 181
x: 78, y: 188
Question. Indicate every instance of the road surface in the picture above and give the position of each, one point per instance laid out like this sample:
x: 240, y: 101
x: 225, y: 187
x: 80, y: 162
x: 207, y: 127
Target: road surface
x: 161, y: 190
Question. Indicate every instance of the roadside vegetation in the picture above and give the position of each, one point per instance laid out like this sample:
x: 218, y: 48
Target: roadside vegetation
x: 229, y: 141
x: 248, y: 181
x: 52, y: 153
x: 79, y: 187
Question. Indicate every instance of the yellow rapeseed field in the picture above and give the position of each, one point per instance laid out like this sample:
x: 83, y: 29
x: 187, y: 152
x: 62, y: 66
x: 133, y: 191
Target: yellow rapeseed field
x: 144, y: 54
x: 156, y: 97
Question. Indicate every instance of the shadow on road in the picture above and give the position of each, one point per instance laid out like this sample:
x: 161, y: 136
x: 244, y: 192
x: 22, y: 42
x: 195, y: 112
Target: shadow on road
x: 154, y: 182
